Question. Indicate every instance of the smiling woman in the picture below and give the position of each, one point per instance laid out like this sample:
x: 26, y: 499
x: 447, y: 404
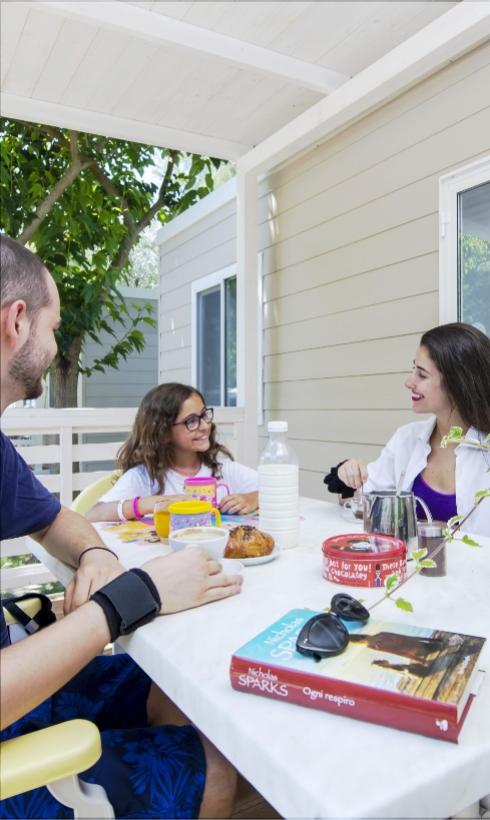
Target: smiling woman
x: 173, y: 438
x: 450, y: 380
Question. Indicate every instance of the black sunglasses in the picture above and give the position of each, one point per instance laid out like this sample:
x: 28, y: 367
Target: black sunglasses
x: 325, y: 635
x: 193, y: 422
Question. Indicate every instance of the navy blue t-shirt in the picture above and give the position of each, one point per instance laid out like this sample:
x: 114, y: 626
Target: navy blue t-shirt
x: 25, y: 505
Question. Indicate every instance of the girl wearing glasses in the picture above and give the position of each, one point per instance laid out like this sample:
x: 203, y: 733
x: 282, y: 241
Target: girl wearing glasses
x: 173, y: 438
x: 450, y: 380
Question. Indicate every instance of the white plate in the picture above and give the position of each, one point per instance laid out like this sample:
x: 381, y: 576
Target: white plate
x: 260, y: 559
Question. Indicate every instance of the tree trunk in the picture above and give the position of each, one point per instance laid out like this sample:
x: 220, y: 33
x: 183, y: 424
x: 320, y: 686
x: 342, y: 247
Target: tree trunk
x: 64, y: 377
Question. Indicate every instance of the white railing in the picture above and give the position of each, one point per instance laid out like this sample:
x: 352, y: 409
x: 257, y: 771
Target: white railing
x: 45, y: 439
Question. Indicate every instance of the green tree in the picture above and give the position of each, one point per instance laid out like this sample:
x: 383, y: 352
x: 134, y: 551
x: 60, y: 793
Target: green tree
x: 475, y: 280
x: 82, y: 201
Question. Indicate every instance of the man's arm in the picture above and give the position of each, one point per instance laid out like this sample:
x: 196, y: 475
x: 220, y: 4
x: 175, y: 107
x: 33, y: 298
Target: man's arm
x: 35, y: 668
x: 66, y: 538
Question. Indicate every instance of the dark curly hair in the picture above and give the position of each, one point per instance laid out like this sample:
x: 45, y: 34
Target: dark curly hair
x: 149, y: 442
x: 461, y: 353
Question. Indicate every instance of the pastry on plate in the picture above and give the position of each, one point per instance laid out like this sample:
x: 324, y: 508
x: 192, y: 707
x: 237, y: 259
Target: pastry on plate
x: 248, y: 542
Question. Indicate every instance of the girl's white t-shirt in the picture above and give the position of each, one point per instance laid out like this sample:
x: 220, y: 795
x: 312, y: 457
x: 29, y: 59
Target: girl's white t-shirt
x: 136, y: 481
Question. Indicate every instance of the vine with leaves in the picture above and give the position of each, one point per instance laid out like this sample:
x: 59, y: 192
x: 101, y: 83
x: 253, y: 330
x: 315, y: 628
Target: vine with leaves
x: 421, y: 557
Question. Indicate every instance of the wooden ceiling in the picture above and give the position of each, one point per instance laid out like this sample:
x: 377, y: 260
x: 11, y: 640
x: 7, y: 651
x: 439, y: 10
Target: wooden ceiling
x: 211, y: 77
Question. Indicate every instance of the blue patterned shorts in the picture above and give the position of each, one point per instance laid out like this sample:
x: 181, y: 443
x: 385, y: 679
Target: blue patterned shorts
x: 151, y: 772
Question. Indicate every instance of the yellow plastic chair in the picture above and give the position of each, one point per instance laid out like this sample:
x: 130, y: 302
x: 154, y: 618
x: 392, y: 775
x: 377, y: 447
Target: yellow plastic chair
x: 91, y: 494
x: 53, y: 757
x: 31, y: 607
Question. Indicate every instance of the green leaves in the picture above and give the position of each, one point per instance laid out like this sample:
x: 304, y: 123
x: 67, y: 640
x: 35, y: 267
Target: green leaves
x: 456, y: 519
x: 469, y: 541
x: 391, y: 582
x: 116, y: 189
x: 402, y: 603
x: 417, y: 555
x: 455, y: 436
x: 482, y: 494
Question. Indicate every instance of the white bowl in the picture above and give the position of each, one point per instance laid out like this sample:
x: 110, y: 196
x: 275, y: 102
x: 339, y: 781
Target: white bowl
x: 212, y: 539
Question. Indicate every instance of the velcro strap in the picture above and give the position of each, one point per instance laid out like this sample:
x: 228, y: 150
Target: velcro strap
x: 128, y: 601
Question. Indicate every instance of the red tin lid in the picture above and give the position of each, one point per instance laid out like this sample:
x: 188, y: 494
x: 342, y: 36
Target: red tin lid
x: 364, y: 545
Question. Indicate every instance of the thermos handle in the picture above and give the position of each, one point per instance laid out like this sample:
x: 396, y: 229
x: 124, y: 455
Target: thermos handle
x: 425, y: 508
x: 218, y: 516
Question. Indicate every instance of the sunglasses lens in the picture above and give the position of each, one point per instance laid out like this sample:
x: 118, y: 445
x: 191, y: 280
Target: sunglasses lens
x: 322, y: 636
x: 348, y: 608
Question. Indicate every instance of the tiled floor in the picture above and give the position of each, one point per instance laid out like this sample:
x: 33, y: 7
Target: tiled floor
x: 249, y: 803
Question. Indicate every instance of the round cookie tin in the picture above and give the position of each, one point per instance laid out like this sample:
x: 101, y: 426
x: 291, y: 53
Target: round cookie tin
x: 363, y: 559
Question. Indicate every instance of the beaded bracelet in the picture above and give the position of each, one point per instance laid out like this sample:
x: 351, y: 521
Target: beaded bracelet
x: 137, y: 513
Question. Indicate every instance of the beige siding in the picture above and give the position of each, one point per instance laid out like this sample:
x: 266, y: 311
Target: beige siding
x: 205, y: 247
x: 350, y: 238
x: 349, y: 232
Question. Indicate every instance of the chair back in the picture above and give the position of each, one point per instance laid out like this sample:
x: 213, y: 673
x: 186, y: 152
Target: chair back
x: 91, y: 494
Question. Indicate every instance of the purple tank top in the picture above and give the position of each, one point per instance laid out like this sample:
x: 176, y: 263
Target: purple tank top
x: 441, y: 505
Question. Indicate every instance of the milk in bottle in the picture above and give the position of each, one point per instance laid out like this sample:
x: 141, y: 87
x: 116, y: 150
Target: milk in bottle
x: 279, y: 487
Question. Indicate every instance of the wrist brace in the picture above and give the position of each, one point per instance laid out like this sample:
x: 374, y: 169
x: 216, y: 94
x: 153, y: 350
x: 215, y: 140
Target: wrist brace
x: 129, y: 601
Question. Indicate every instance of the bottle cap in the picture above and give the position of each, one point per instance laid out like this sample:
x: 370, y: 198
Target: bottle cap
x: 434, y: 529
x: 277, y: 427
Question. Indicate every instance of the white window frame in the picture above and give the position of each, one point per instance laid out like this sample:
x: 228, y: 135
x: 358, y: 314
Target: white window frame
x: 450, y: 185
x: 198, y: 286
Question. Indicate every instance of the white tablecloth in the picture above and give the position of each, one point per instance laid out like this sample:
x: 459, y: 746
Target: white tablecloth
x: 305, y: 762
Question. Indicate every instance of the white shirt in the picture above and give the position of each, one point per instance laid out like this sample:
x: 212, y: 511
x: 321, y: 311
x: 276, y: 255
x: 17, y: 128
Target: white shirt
x: 407, y: 452
x: 136, y: 481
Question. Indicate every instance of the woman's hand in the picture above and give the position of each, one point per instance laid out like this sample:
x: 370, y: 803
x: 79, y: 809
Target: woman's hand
x: 239, y: 503
x: 353, y: 473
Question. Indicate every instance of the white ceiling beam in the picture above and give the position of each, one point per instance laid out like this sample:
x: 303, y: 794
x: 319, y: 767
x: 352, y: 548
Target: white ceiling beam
x: 461, y: 29
x: 65, y: 116
x: 157, y: 28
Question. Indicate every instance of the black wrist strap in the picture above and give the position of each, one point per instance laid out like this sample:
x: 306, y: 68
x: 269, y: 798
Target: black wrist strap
x: 129, y: 601
x: 335, y: 484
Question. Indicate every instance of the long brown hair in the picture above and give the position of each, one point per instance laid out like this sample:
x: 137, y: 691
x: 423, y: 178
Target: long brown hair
x: 461, y: 353
x: 149, y: 442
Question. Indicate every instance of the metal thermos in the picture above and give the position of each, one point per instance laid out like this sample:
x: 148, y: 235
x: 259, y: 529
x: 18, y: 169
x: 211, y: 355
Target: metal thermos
x: 393, y: 513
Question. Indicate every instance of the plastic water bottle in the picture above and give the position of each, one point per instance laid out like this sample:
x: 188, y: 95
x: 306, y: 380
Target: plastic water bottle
x: 279, y: 487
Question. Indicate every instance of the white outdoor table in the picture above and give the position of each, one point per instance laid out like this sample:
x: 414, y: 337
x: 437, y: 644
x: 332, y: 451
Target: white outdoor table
x: 305, y: 762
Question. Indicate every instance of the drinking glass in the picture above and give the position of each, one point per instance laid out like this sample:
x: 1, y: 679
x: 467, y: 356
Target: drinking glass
x: 161, y: 517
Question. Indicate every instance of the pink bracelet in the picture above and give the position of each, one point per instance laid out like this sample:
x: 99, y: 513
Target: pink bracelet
x: 136, y: 511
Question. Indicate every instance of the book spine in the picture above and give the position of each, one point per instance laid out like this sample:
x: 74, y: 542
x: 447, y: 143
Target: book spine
x: 339, y: 697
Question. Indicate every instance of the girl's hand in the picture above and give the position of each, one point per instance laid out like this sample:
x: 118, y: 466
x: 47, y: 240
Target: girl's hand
x: 353, y: 473
x: 239, y: 503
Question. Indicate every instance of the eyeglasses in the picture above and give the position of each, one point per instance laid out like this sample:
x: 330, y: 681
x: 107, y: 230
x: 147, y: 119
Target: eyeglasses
x: 325, y: 635
x: 193, y: 422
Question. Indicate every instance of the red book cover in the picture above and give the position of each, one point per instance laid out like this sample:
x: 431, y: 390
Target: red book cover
x: 408, y: 677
